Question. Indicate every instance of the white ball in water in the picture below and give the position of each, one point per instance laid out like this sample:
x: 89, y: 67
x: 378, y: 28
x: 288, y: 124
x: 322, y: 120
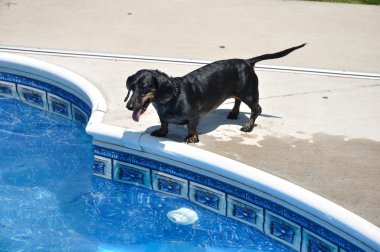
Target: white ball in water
x: 183, y: 216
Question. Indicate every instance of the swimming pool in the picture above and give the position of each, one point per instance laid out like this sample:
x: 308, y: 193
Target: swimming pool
x: 51, y: 201
x: 289, y: 215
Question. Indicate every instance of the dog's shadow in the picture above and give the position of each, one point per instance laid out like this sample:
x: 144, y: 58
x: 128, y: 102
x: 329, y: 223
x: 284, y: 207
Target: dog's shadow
x: 208, y: 124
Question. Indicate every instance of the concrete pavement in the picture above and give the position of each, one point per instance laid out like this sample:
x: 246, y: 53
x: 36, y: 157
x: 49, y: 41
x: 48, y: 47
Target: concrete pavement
x: 316, y: 131
x: 339, y: 36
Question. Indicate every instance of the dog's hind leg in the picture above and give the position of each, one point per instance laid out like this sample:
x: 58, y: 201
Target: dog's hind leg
x: 235, y: 110
x: 255, y: 112
x: 161, y: 132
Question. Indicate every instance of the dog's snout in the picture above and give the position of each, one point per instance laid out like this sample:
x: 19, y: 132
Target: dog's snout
x: 129, y: 105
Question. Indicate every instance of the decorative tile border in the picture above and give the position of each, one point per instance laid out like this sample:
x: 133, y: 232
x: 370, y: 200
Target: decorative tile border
x: 273, y: 219
x: 131, y: 174
x: 59, y: 106
x: 8, y: 89
x: 33, y: 96
x: 170, y: 184
x: 245, y: 212
x: 312, y: 242
x: 207, y: 197
x: 79, y: 115
x: 102, y: 167
x: 44, y: 96
x: 282, y: 230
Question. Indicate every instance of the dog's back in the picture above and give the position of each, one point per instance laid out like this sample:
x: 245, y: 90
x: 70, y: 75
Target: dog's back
x: 210, y: 85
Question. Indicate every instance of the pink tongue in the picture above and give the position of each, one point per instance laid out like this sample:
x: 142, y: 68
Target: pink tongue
x: 136, y: 115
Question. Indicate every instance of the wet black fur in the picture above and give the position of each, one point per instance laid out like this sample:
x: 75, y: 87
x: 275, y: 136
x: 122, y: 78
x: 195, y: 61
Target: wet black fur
x: 184, y: 100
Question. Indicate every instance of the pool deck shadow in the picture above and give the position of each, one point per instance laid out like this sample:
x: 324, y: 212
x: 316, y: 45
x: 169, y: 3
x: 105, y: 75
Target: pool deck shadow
x: 209, y: 123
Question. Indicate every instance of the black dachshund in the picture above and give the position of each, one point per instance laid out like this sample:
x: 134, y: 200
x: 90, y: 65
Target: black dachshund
x: 184, y: 100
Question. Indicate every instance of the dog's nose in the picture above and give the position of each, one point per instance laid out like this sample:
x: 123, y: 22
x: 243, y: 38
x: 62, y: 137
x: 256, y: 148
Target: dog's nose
x: 129, y: 105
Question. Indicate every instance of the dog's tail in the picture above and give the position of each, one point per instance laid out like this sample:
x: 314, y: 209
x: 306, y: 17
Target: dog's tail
x: 283, y: 53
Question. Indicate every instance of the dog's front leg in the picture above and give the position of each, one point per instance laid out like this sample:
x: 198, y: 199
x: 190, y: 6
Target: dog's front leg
x: 235, y: 110
x: 161, y: 132
x: 192, y: 134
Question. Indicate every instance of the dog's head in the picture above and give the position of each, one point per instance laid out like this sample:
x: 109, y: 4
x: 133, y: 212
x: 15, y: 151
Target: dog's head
x: 148, y: 86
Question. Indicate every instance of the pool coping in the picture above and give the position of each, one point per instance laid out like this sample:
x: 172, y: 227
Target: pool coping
x: 139, y: 143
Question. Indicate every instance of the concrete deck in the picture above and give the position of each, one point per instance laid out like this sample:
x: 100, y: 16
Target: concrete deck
x: 319, y: 132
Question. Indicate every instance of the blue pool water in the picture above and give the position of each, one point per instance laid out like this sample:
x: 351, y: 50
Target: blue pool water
x: 50, y: 201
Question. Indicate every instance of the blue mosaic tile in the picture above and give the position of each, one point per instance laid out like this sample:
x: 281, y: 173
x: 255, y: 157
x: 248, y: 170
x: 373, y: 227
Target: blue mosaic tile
x: 8, y: 89
x: 234, y: 191
x: 169, y: 186
x: 313, y: 243
x: 207, y: 199
x: 5, y: 90
x: 315, y: 246
x: 33, y: 97
x: 131, y: 175
x: 244, y: 213
x: 79, y: 116
x: 60, y: 108
x: 102, y: 167
x: 282, y: 231
x: 98, y: 167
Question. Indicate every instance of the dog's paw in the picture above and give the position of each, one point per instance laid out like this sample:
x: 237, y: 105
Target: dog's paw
x: 191, y: 139
x: 247, y: 128
x: 161, y: 132
x: 232, y: 116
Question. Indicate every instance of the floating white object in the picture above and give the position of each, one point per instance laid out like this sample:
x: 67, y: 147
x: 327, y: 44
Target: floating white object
x: 183, y: 216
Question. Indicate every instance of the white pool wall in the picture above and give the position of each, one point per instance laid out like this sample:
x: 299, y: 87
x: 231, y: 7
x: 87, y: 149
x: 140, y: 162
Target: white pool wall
x: 241, y: 175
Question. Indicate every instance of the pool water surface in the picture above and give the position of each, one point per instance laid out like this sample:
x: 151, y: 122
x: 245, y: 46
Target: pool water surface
x: 50, y: 201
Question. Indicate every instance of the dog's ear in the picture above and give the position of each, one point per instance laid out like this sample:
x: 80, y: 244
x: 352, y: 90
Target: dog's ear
x: 165, y: 90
